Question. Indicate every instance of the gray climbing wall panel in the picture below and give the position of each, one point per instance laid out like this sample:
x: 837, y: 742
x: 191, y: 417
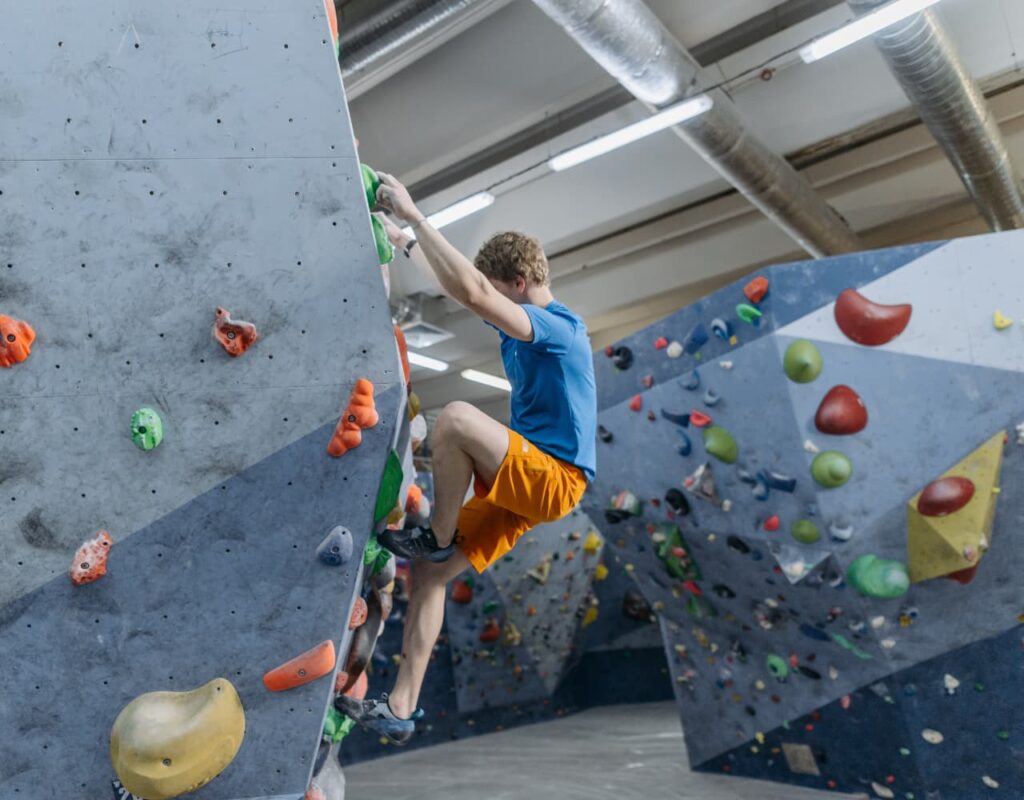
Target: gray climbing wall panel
x: 156, y: 162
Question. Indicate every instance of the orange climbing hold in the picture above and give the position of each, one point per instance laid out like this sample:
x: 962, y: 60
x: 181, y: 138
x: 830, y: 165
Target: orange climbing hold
x: 413, y: 499
x: 304, y: 668
x: 16, y: 339
x: 90, y: 562
x: 234, y: 335
x: 403, y: 352
x: 359, y: 612
x: 361, y: 413
x: 756, y: 289
x: 462, y: 592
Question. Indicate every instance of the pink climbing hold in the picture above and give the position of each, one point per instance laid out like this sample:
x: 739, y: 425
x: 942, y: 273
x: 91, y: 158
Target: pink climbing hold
x: 90, y: 562
x: 636, y: 403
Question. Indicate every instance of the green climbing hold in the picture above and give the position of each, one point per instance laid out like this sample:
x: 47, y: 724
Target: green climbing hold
x: 979, y: 687
x: 877, y: 577
x: 490, y: 606
x: 390, y: 486
x: 1004, y: 735
x: 719, y: 443
x: 846, y: 644
x: 700, y: 607
x: 675, y: 554
x: 831, y: 469
x: 370, y: 185
x: 904, y: 751
x: 748, y: 313
x: 385, y: 250
x: 468, y: 580
x: 777, y: 666
x: 805, y: 531
x: 802, y: 362
x: 337, y: 726
x: 147, y: 429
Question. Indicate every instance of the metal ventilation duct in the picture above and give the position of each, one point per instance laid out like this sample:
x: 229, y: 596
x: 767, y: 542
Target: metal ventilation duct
x: 625, y: 38
x: 925, y: 62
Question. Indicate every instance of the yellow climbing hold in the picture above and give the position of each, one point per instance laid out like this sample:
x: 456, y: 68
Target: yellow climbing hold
x: 1000, y: 322
x: 629, y: 567
x: 590, y: 617
x: 760, y: 737
x: 166, y: 744
x: 600, y: 572
x: 592, y: 543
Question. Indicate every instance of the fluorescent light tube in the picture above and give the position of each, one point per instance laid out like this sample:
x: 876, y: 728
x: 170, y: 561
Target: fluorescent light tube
x: 680, y: 112
x: 457, y: 211
x: 862, y: 27
x: 426, y: 361
x: 486, y: 379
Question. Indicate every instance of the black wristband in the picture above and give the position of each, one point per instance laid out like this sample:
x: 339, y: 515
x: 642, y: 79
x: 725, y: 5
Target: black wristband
x: 408, y: 248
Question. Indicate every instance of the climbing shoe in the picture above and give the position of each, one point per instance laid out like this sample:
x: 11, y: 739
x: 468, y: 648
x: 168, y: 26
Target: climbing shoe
x: 415, y: 543
x: 376, y: 716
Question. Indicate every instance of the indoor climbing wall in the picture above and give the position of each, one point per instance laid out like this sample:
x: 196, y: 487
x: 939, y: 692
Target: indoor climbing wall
x: 813, y: 476
x: 164, y: 168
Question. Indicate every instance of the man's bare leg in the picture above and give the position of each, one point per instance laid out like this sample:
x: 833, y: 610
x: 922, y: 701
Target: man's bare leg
x: 464, y: 441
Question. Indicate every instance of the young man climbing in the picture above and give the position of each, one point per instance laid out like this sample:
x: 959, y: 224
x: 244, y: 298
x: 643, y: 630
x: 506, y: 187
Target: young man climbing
x: 531, y: 472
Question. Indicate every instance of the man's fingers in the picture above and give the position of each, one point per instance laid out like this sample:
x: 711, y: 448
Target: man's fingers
x: 387, y: 180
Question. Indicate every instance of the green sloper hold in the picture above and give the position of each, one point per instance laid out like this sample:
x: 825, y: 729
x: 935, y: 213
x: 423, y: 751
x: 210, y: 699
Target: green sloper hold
x: 831, y: 469
x: 390, y: 486
x: 375, y: 557
x: 719, y: 443
x: 805, y: 531
x: 676, y: 555
x: 385, y: 250
x: 802, y: 362
x: 370, y: 185
x: 337, y: 726
x: 877, y: 577
x: 777, y: 666
x: 147, y: 429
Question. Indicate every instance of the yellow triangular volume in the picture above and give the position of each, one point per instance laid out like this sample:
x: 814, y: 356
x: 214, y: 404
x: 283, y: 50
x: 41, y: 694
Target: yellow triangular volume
x: 942, y: 545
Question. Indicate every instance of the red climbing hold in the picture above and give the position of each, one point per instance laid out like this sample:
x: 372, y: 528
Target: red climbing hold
x: 772, y: 523
x: 692, y: 588
x: 304, y: 668
x: 462, y: 593
x: 756, y: 289
x: 16, y: 339
x: 660, y: 343
x: 636, y: 403
x: 869, y: 323
x: 609, y: 351
x: 90, y: 562
x: 235, y: 336
x: 358, y: 616
x: 945, y: 496
x: 491, y: 632
x: 356, y: 691
x: 963, y: 576
x: 361, y: 413
x: 699, y: 420
x: 841, y: 412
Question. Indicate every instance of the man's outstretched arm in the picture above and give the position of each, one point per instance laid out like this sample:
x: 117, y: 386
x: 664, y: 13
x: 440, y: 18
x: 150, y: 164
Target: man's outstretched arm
x: 456, y: 273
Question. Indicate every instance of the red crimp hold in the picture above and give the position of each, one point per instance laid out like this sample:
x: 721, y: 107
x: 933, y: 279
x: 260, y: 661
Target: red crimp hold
x: 963, y: 576
x: 235, y: 336
x: 692, y: 588
x: 90, y: 562
x: 772, y: 523
x: 869, y: 323
x: 491, y: 632
x: 636, y: 403
x: 361, y: 413
x: 660, y: 343
x: 462, y: 593
x: 699, y: 420
x: 16, y: 339
x: 609, y: 351
x: 756, y: 290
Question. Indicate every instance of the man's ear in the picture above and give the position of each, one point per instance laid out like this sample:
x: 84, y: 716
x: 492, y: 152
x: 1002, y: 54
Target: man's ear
x: 520, y: 284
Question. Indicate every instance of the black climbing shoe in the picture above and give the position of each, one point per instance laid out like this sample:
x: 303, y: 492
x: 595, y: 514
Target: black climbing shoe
x: 376, y: 716
x: 415, y: 543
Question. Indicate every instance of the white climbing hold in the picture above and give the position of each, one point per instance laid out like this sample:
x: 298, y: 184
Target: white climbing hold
x: 932, y: 736
x: 811, y: 447
x: 991, y: 783
x: 833, y: 673
x: 888, y: 644
x: 725, y: 364
x: 951, y: 683
x: 1020, y: 433
x: 727, y: 506
x: 882, y: 791
x: 674, y: 350
x: 841, y: 533
x: 877, y: 622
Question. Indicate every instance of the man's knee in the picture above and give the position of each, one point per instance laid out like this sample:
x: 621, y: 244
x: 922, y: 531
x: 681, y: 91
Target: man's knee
x: 454, y: 422
x: 428, y: 575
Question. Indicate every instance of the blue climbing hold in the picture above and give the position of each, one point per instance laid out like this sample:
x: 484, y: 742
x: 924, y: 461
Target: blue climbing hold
x: 711, y: 398
x: 760, y: 489
x: 721, y: 328
x: 695, y: 339
x: 691, y: 382
x: 776, y: 480
x: 336, y: 548
x: 685, y: 446
x: 678, y: 419
x: 814, y: 633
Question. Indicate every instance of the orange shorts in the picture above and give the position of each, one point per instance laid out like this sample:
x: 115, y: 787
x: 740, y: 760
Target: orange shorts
x: 531, y: 487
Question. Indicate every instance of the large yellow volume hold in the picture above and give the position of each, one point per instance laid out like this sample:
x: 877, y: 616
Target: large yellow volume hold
x: 166, y: 744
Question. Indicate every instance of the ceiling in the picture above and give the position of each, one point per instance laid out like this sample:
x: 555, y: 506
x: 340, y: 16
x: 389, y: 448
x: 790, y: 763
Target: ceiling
x: 641, y: 231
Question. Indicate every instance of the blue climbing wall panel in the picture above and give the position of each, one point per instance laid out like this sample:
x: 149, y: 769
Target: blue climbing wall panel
x: 782, y: 669
x: 156, y: 162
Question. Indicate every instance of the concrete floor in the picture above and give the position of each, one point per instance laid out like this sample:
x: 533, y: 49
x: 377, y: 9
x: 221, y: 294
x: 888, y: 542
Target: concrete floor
x: 621, y: 752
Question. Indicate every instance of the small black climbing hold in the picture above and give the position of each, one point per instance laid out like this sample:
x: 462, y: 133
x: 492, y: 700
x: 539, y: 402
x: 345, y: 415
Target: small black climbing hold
x: 622, y: 357
x: 614, y: 515
x: 737, y: 544
x: 723, y: 591
x: 604, y: 434
x: 678, y: 419
x: 750, y: 710
x: 807, y: 672
x: 677, y: 501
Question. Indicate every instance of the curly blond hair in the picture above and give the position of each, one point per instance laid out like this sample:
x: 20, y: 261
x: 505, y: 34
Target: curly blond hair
x: 510, y: 255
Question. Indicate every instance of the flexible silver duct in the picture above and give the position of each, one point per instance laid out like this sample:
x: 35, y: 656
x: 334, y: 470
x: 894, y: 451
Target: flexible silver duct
x: 925, y: 62
x: 628, y: 41
x: 394, y: 27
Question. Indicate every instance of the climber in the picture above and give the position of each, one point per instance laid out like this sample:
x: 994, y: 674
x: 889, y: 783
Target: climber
x: 533, y: 471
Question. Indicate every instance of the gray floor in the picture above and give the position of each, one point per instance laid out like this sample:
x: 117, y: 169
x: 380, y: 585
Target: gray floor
x: 620, y: 752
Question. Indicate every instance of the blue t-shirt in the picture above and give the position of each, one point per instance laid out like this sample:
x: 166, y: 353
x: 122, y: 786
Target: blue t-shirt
x: 554, y: 398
